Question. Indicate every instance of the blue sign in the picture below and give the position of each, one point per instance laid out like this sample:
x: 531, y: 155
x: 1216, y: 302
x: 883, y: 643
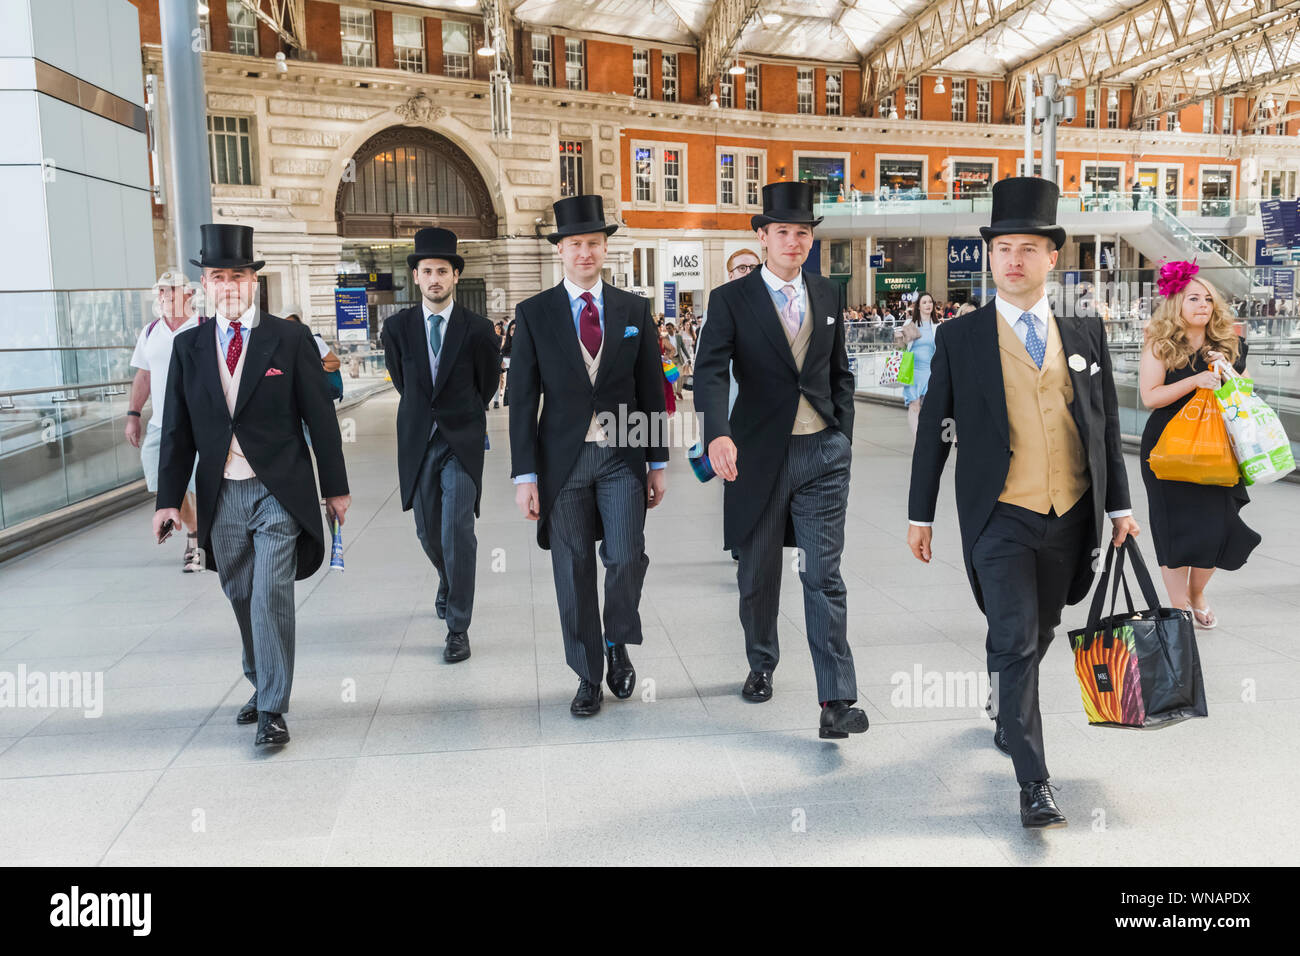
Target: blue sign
x: 1280, y: 218
x: 352, y: 315
x: 1283, y: 283
x: 670, y: 300
x: 1266, y: 255
x: 965, y: 259
x: 876, y: 260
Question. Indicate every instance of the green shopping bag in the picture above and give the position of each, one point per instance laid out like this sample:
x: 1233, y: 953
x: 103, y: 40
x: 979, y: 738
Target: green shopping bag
x: 907, y: 369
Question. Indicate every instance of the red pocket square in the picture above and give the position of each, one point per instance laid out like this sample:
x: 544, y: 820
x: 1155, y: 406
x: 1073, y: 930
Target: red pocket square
x: 273, y: 371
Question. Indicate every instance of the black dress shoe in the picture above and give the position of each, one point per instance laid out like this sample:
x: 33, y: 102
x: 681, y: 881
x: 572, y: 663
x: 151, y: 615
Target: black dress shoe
x: 457, y: 648
x: 271, y: 730
x: 735, y: 554
x: 758, y: 686
x: 1000, y: 740
x: 440, y: 605
x: 839, y: 719
x: 1038, y: 811
x: 248, y: 713
x: 586, y: 701
x: 620, y: 675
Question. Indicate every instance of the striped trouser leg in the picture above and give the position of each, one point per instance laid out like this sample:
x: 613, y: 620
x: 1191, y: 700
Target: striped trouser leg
x: 620, y: 499
x: 819, y: 496
x: 572, y: 528
x: 255, y: 540
x: 459, y: 545
x: 758, y: 578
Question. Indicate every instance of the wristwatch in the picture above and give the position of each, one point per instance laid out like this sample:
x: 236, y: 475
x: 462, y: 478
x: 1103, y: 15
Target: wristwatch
x: 136, y: 414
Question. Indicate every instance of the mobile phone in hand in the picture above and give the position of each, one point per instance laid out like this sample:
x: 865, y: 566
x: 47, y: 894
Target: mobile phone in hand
x: 165, y: 531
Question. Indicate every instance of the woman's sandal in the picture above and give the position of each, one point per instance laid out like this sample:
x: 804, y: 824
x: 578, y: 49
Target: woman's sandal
x: 1205, y: 618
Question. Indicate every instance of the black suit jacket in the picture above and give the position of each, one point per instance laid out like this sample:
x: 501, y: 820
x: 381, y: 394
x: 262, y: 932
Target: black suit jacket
x: 966, y: 391
x: 268, y: 418
x: 469, y: 368
x: 744, y: 328
x: 546, y: 362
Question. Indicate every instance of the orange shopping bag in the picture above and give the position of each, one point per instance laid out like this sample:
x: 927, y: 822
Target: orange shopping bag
x: 1194, y: 445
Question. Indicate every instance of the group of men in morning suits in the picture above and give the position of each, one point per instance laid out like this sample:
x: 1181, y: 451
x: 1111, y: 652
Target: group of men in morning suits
x: 1030, y: 393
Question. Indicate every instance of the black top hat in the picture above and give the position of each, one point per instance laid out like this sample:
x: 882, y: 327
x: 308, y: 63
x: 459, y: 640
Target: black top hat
x: 579, y: 215
x: 1025, y: 206
x: 226, y: 246
x: 786, y: 202
x: 434, y: 243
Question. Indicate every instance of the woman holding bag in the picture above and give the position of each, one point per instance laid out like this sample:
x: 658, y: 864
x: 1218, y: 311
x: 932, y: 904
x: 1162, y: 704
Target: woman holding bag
x: 917, y: 337
x: 1195, y: 528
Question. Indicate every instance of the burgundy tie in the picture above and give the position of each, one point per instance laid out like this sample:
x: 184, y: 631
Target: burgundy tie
x: 589, y: 325
x: 234, y: 348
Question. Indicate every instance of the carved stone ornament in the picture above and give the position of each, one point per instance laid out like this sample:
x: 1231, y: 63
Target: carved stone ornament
x: 420, y: 109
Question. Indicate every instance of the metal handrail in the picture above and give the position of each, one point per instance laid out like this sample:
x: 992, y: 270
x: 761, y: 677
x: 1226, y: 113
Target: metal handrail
x: 9, y: 393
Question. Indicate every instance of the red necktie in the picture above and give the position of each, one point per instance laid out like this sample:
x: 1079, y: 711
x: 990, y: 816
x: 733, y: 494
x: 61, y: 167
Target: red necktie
x: 234, y: 348
x: 589, y: 325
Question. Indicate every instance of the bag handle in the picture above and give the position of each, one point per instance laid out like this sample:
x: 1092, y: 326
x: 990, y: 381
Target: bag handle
x: 1094, y: 611
x: 1139, y: 566
x: 1115, y: 585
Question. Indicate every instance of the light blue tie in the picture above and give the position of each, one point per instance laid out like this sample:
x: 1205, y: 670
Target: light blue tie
x: 1033, y: 343
x: 435, y: 333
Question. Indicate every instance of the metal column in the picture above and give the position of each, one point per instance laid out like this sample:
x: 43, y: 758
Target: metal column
x: 187, y: 133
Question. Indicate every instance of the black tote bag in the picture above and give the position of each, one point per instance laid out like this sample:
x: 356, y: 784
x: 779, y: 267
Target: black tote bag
x: 1138, y: 668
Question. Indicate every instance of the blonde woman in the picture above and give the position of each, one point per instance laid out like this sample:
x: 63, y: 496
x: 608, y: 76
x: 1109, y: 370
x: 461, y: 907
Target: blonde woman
x: 1195, y: 528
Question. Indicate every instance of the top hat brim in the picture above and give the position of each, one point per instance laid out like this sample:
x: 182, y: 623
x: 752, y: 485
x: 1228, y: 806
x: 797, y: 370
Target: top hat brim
x: 457, y: 263
x: 798, y: 217
x: 254, y: 264
x: 581, y: 229
x: 1012, y: 228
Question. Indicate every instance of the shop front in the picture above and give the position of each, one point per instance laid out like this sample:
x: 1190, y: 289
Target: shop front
x: 901, y: 178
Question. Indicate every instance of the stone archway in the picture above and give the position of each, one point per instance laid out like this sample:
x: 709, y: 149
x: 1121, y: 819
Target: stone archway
x: 407, y: 178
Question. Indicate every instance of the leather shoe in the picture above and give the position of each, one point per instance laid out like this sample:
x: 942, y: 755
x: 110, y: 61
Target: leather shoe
x: 1000, y: 740
x: 839, y: 719
x: 248, y: 713
x: 271, y: 730
x: 457, y: 648
x: 586, y: 701
x: 620, y: 675
x: 758, y: 687
x: 440, y: 605
x: 1038, y: 811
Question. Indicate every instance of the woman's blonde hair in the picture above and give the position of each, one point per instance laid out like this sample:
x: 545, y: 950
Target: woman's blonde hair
x: 1167, y: 331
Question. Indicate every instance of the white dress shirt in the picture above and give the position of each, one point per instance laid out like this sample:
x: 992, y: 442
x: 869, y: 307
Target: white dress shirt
x: 775, y: 284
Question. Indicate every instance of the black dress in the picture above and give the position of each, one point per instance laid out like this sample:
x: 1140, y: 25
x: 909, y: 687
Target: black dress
x: 1194, y: 525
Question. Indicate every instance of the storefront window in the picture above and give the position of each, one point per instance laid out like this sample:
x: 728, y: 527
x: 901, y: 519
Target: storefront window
x: 1216, y: 192
x: 902, y: 255
x: 971, y: 180
x: 902, y: 178
x: 825, y: 174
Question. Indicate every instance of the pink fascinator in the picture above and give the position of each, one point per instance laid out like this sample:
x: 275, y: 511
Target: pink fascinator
x: 1174, y: 277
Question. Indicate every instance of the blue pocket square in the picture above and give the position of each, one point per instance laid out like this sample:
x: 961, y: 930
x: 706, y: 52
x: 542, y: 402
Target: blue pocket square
x: 630, y: 331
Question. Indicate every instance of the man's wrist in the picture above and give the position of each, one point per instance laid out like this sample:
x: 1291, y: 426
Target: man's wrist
x: 133, y: 412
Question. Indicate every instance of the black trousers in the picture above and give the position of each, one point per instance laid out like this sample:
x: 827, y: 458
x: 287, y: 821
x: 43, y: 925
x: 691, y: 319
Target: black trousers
x: 1025, y: 562
x: 444, y: 523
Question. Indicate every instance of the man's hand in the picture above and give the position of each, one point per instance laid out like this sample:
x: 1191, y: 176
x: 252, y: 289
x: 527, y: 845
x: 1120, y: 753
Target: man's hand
x: 722, y: 455
x: 338, y: 507
x: 655, y: 486
x: 1123, y: 527
x: 160, y: 517
x: 132, y: 430
x: 527, y: 501
x: 918, y: 539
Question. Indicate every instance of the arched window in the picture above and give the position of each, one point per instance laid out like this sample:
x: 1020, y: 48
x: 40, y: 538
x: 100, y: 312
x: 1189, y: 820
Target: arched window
x: 406, y: 178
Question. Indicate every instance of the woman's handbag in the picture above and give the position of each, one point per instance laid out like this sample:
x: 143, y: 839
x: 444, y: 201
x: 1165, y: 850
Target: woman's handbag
x: 907, y: 369
x: 335, y: 381
x: 1194, y: 446
x: 1259, y: 442
x: 1139, y: 668
x: 892, y: 365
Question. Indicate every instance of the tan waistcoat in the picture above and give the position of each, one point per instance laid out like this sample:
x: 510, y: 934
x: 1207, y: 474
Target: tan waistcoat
x: 806, y: 419
x: 1048, y: 466
x: 594, y: 431
x: 237, y: 466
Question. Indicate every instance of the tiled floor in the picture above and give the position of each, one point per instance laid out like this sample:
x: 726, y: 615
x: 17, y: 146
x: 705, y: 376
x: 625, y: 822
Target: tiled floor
x: 397, y: 757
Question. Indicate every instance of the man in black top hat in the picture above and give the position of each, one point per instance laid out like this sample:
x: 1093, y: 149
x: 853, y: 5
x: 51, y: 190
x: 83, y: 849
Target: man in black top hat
x: 785, y: 449
x: 444, y: 361
x: 1041, y: 467
x: 591, y: 465
x: 239, y: 388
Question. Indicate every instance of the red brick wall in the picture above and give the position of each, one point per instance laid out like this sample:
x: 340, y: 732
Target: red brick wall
x: 323, y: 25
x: 609, y: 67
x: 852, y: 92
x: 433, y: 45
x: 219, y: 25
x: 383, y: 39
x: 656, y: 75
x: 150, y: 29
x: 780, y: 88
x: 688, y: 78
x: 268, y: 42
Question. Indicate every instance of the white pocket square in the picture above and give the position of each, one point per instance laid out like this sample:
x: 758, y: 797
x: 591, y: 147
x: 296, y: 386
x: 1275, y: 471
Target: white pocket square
x: 1095, y: 369
x: 830, y: 320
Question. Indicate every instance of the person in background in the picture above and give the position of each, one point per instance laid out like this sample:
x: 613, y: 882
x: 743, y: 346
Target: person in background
x: 499, y: 329
x: 328, y: 360
x: 507, y: 343
x: 1196, y: 528
x: 918, y: 336
x: 175, y: 309
x: 965, y: 308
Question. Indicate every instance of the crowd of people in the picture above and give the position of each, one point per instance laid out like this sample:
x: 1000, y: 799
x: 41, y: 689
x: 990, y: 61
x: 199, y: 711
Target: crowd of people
x: 1042, y: 458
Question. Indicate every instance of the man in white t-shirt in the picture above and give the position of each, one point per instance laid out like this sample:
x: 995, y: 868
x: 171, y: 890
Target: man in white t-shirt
x: 175, y: 309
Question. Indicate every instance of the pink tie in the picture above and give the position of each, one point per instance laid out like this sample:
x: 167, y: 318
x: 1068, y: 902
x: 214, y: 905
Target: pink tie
x: 790, y: 311
x: 589, y: 324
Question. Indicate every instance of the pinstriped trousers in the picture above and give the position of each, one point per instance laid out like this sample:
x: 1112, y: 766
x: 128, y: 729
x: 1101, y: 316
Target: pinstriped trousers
x: 813, y: 491
x: 600, y: 483
x: 255, y: 540
x: 444, y: 523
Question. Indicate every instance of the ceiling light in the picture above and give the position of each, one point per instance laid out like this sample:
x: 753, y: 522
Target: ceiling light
x: 203, y: 9
x: 486, y: 50
x: 736, y: 69
x: 893, y: 112
x: 771, y: 18
x: 467, y: 3
x: 938, y: 85
x: 1113, y: 100
x: 713, y: 100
